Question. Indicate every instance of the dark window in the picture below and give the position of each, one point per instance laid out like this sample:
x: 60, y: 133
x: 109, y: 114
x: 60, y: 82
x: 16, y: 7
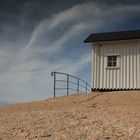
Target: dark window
x: 112, y: 61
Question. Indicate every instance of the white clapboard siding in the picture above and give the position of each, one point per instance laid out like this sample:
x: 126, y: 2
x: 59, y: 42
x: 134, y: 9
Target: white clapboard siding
x: 126, y: 75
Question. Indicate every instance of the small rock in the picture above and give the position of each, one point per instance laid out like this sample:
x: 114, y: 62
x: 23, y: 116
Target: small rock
x: 46, y: 134
x: 107, y: 138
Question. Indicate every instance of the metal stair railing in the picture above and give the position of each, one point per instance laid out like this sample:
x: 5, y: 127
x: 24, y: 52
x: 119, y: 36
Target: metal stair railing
x: 86, y: 86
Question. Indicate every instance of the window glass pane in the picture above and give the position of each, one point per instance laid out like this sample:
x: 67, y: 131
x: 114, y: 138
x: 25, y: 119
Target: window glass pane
x: 114, y: 58
x: 114, y: 64
x: 110, y: 58
x: 109, y: 64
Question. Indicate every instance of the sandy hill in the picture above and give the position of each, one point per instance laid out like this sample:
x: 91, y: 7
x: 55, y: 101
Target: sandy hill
x: 95, y: 116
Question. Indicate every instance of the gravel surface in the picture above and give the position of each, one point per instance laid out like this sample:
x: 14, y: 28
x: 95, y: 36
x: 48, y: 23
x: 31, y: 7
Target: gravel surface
x: 94, y: 116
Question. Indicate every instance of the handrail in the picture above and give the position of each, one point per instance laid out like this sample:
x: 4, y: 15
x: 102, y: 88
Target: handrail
x: 87, y: 87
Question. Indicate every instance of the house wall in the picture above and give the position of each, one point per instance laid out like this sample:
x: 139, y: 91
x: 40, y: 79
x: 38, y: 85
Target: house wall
x: 127, y: 73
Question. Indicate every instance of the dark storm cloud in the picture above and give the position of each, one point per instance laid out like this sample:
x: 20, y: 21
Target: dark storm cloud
x: 18, y: 18
x: 32, y: 10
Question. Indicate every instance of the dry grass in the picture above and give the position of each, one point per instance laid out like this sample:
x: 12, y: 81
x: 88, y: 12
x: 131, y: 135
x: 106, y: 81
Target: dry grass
x: 96, y: 116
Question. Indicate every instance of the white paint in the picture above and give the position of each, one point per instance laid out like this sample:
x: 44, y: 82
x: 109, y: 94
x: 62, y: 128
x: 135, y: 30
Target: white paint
x: 127, y: 73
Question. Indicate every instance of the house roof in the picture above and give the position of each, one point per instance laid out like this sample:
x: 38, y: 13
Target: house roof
x: 112, y: 36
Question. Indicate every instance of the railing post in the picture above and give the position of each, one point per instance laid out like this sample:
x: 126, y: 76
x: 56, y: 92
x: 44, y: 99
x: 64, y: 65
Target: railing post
x: 67, y: 84
x: 54, y: 83
x: 86, y: 87
x: 78, y: 86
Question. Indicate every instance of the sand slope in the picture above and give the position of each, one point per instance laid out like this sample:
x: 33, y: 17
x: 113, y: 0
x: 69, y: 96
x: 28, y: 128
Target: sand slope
x: 95, y: 116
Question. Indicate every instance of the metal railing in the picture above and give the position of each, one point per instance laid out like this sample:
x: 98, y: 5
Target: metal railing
x: 86, y: 86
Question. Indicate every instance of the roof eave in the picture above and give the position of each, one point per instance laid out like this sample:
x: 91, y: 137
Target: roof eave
x: 92, y: 41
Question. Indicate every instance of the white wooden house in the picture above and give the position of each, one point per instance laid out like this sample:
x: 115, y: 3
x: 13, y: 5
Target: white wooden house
x: 116, y: 60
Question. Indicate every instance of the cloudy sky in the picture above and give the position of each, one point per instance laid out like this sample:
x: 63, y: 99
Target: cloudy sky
x: 40, y: 36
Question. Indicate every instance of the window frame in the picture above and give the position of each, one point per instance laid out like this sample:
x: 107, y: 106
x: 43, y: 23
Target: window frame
x: 117, y: 61
x: 112, y: 61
